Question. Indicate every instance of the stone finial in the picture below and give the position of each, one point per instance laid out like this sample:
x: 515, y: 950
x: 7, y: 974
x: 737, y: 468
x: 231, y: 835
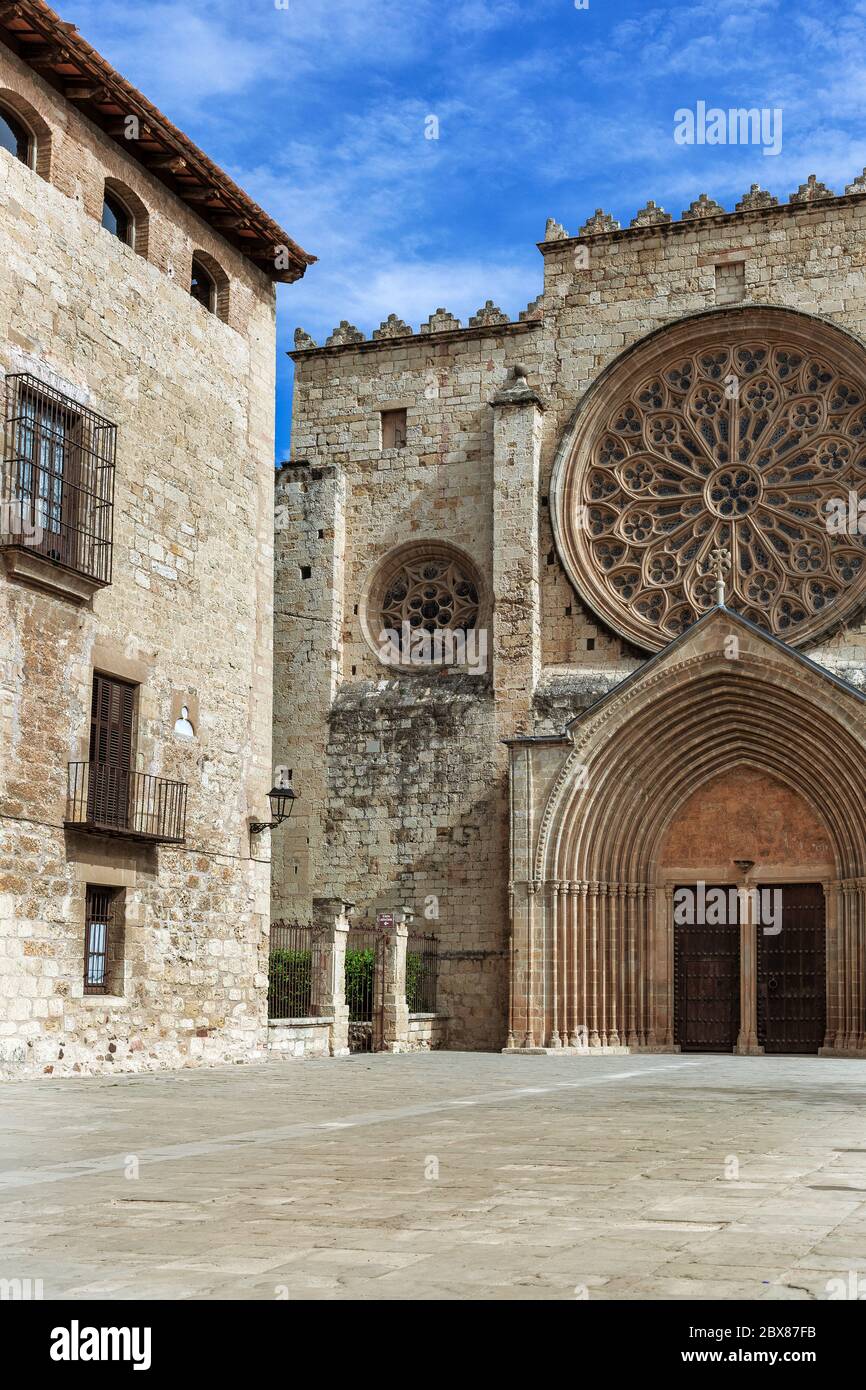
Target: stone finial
x: 600, y: 222
x: 440, y: 322
x: 811, y: 191
x: 859, y: 184
x: 555, y: 231
x: 719, y: 566
x: 392, y: 327
x: 490, y: 314
x: 344, y: 333
x: 303, y: 340
x: 651, y: 216
x: 702, y: 207
x: 517, y: 390
x: 534, y: 310
x: 757, y: 197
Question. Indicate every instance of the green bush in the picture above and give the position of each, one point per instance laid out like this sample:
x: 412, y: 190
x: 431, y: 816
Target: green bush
x: 290, y: 983
x: 360, y: 966
x: 414, y: 983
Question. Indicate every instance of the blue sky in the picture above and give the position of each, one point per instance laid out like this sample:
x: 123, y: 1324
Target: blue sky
x: 319, y: 108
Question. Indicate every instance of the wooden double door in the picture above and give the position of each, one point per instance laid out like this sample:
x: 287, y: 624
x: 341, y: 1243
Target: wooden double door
x: 789, y: 956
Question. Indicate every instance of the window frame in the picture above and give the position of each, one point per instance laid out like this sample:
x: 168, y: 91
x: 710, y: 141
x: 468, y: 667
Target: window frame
x: 13, y: 118
x: 58, y: 478
x: 199, y: 269
x: 109, y: 197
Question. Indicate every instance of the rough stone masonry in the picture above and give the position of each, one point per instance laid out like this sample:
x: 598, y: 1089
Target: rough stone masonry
x: 452, y: 454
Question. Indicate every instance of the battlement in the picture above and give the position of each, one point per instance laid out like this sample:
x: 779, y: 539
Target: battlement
x: 599, y: 228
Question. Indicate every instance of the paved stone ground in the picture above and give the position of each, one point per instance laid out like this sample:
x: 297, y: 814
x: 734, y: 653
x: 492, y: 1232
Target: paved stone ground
x: 555, y: 1175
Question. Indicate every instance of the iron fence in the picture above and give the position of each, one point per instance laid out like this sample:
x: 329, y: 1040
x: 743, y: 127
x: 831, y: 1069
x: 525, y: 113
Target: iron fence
x: 294, y: 970
x: 117, y: 801
x: 365, y: 957
x: 422, y: 973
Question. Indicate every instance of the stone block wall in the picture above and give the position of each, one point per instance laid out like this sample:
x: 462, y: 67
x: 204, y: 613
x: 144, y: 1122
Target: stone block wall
x: 397, y: 779
x: 187, y: 618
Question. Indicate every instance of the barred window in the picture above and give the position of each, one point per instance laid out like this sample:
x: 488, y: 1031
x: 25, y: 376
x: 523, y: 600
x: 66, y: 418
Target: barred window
x: 58, y: 479
x: 103, y: 940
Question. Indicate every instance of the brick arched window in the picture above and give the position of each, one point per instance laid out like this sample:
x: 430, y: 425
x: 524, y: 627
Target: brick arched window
x: 23, y: 132
x: 125, y: 216
x: 209, y: 284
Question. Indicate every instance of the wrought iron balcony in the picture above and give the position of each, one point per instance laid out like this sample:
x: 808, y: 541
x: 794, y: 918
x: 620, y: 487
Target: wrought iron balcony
x: 108, y: 800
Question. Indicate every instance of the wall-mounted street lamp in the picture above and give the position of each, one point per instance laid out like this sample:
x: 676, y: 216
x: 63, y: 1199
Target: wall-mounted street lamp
x: 282, y: 801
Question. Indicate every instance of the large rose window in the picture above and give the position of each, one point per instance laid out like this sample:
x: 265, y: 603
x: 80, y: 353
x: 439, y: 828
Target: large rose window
x: 730, y: 438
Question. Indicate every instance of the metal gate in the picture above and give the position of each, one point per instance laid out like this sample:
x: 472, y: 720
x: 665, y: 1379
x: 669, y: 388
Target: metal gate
x: 365, y: 978
x: 707, y: 981
x: 792, y: 1000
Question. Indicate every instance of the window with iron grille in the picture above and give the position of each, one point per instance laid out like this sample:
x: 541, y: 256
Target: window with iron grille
x: 103, y: 940
x: 58, y: 479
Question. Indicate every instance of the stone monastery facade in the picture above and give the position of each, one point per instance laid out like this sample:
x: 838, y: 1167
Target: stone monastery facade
x: 684, y: 404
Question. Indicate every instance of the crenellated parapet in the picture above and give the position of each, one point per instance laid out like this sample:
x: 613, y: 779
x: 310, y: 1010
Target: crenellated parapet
x: 650, y: 219
x: 703, y: 208
x: 442, y: 322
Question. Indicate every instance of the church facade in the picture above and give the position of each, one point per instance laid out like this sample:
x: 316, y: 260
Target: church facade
x: 570, y: 642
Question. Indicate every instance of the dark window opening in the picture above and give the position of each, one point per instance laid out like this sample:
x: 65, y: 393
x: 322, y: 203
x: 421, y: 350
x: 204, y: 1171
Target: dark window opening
x: 103, y: 940
x: 116, y: 219
x: 321, y: 535
x: 568, y: 611
x: 393, y: 429
x: 202, y: 286
x: 15, y: 137
x: 306, y: 571
x: 590, y: 644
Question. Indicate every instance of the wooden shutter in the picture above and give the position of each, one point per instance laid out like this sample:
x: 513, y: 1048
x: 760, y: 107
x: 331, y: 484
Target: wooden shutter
x: 111, y: 720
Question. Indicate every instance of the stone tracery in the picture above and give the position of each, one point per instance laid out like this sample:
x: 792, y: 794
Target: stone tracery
x: 739, y: 442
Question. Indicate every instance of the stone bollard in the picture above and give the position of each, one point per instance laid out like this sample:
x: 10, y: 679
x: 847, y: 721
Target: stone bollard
x: 330, y: 916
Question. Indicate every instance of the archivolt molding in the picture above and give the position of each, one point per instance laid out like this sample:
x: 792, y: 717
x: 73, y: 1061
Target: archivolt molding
x: 685, y: 723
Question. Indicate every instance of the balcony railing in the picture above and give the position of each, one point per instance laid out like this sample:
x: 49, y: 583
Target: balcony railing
x: 117, y: 801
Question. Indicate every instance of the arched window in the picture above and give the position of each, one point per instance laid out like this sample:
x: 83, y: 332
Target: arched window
x: 125, y: 216
x: 117, y: 219
x: 202, y: 286
x: 15, y: 137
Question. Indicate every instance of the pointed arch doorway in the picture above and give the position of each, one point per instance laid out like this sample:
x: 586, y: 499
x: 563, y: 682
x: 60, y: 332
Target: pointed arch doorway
x: 744, y: 772
x: 748, y: 857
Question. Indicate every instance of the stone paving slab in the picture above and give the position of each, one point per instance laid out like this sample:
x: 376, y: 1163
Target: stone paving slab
x: 440, y: 1175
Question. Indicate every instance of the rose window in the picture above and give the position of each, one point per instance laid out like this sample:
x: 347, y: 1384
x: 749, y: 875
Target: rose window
x: 432, y: 593
x: 749, y: 442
